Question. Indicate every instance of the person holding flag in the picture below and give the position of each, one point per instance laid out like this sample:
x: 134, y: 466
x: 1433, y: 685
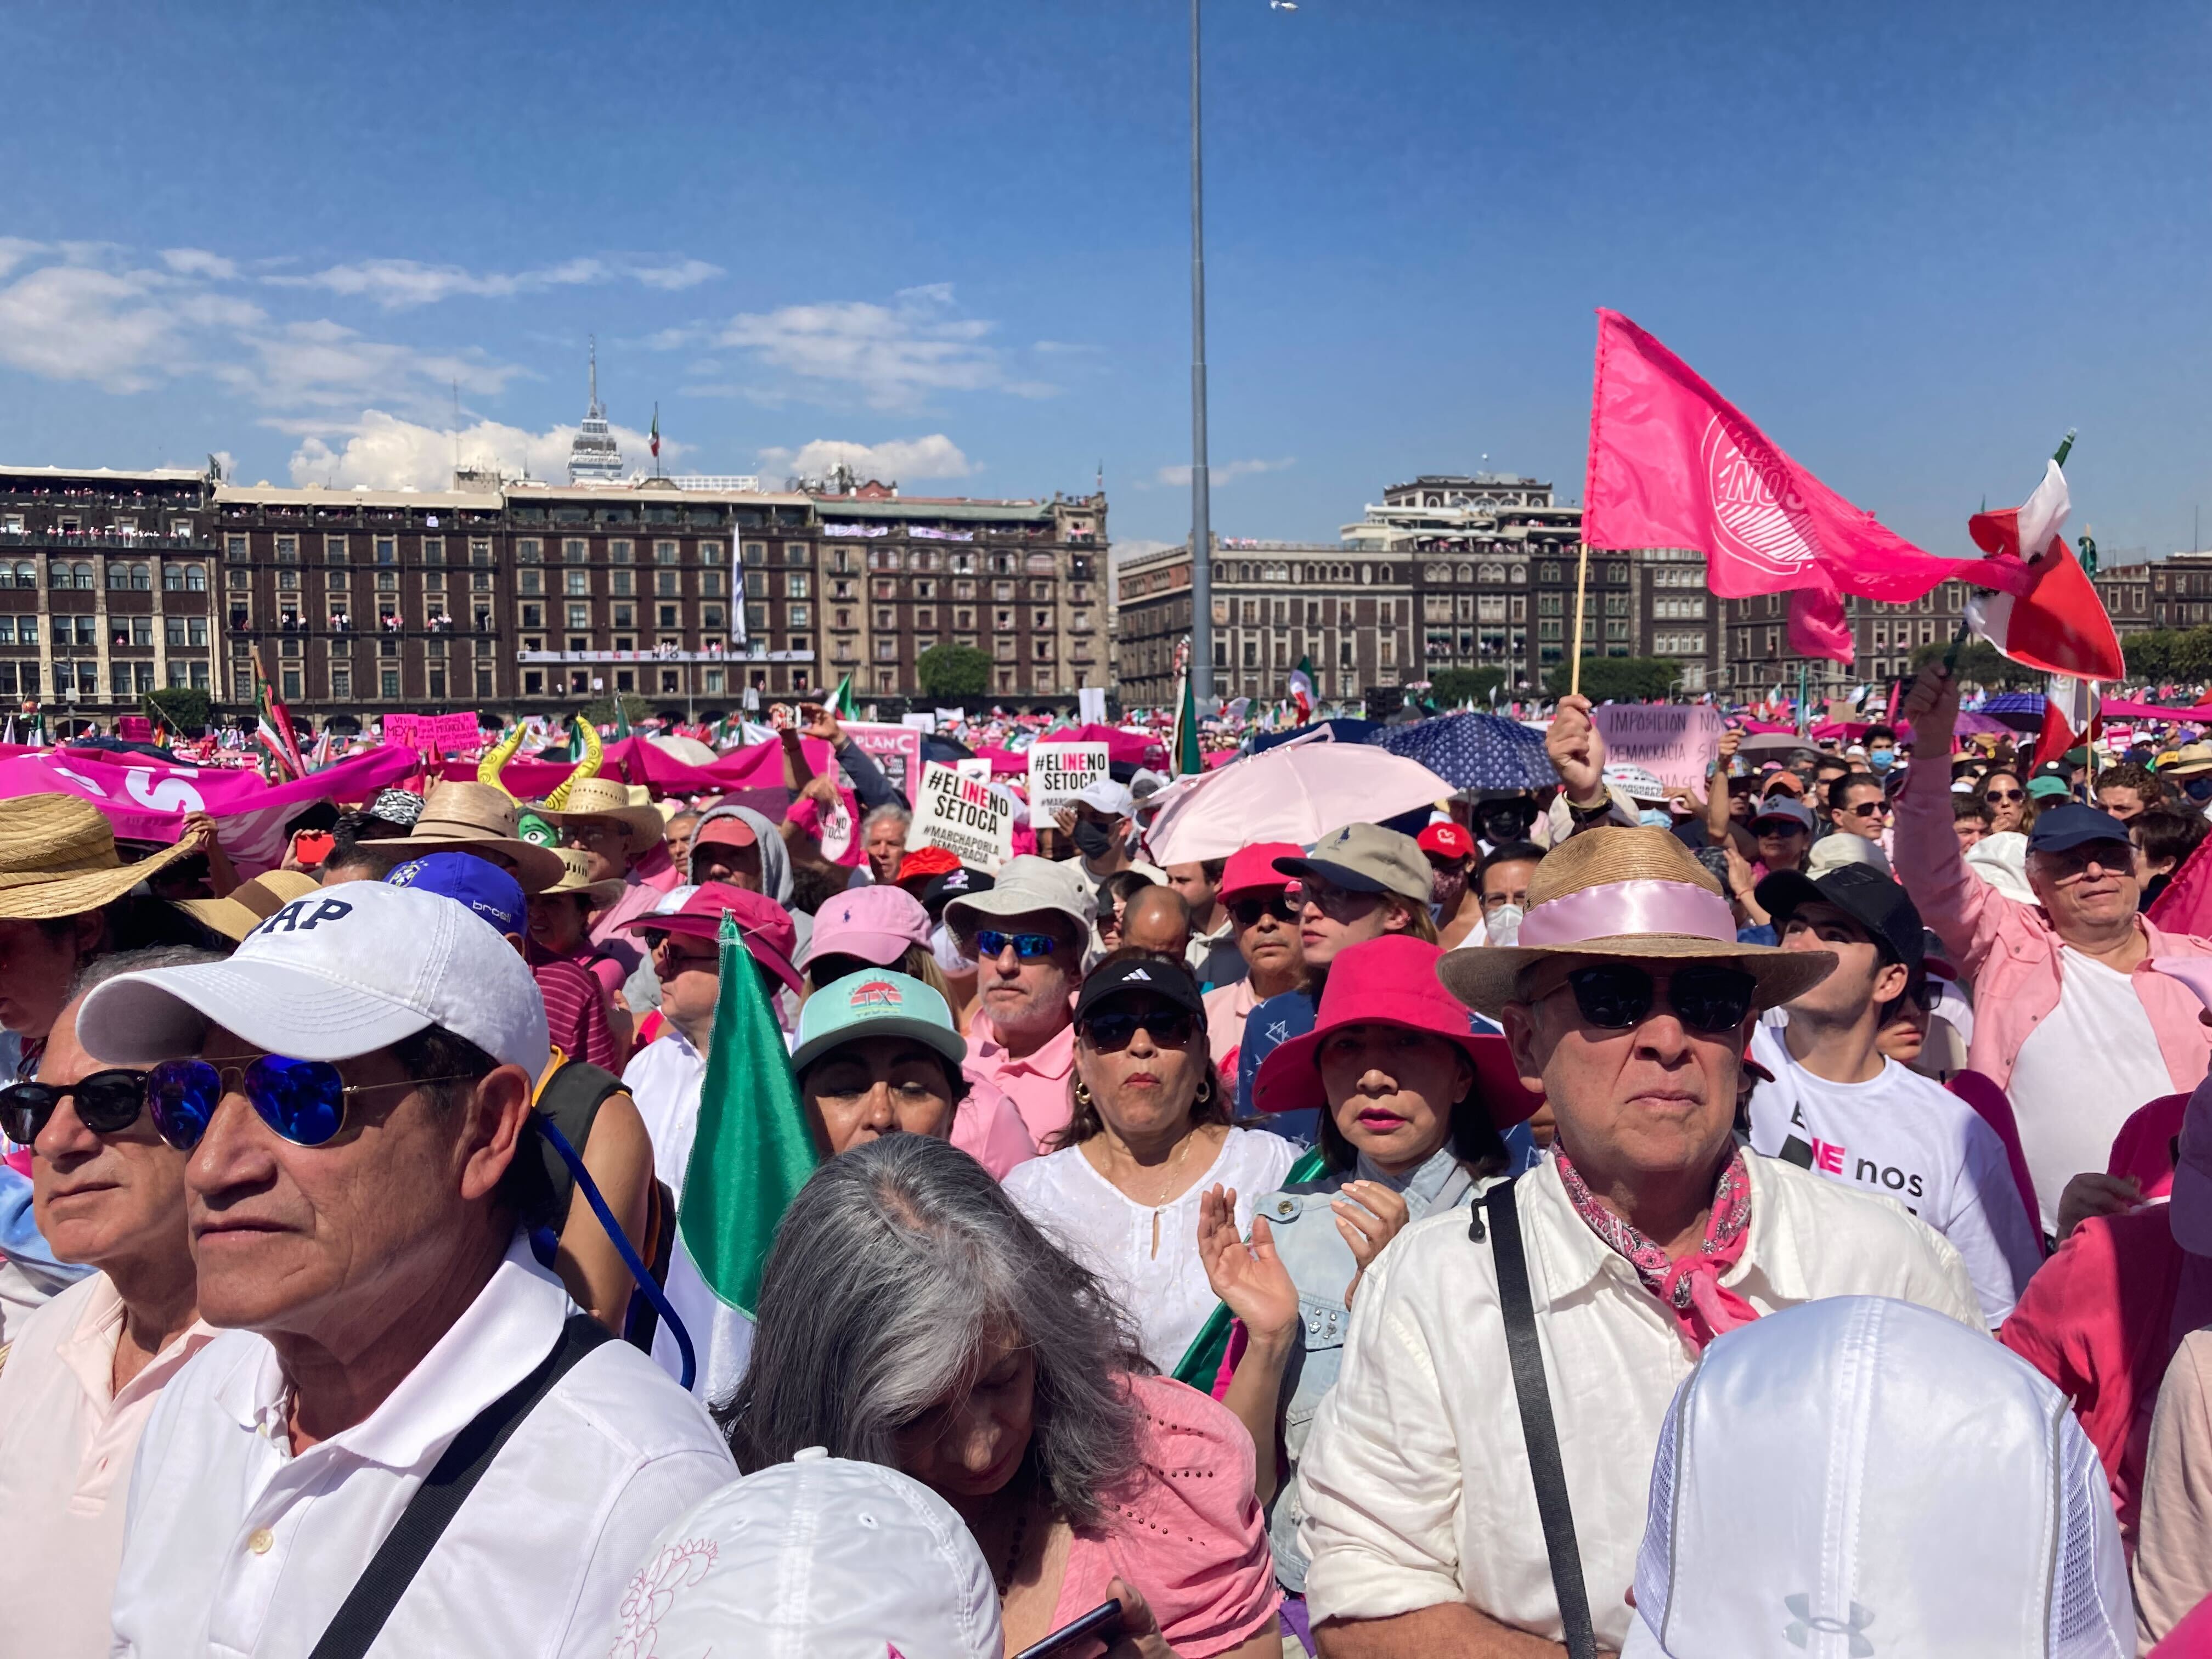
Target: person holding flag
x: 1302, y: 690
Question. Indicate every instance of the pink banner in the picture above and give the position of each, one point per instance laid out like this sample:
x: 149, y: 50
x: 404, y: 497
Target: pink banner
x: 633, y: 760
x: 439, y: 732
x: 897, y: 749
x: 1122, y: 748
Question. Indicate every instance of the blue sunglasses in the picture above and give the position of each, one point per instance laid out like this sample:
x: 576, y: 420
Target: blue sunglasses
x: 303, y: 1100
x: 989, y: 942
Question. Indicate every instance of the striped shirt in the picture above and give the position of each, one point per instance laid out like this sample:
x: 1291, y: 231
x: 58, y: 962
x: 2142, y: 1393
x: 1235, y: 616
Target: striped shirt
x: 575, y: 1013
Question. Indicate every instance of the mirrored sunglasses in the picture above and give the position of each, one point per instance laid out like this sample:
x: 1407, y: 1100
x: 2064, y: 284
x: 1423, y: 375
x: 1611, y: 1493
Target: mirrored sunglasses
x: 303, y: 1100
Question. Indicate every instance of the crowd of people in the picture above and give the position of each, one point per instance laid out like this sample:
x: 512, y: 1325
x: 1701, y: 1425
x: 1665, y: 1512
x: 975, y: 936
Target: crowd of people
x: 1766, y: 1218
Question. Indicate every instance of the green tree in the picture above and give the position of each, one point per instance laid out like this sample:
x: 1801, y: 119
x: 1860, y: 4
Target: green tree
x: 600, y: 711
x: 1618, y: 679
x: 1981, y: 663
x: 186, y: 707
x: 1454, y: 686
x: 952, y: 670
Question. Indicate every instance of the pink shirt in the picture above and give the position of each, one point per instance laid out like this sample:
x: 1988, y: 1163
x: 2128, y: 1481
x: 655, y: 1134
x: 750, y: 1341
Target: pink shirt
x: 1191, y: 1537
x: 988, y: 1129
x: 66, y: 1445
x: 1036, y: 1083
x: 2145, y: 1146
x: 1225, y: 1008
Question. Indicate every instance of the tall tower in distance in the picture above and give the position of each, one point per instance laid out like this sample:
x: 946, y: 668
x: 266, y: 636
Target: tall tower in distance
x: 593, y: 456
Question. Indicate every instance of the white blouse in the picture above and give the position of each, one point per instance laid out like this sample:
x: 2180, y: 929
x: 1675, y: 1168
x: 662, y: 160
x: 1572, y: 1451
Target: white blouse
x: 1111, y: 1234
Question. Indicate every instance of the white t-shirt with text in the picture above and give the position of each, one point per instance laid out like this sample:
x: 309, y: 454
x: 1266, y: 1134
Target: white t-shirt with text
x: 1907, y: 1138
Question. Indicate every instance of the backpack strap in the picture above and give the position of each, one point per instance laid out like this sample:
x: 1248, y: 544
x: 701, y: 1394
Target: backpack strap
x: 1538, y: 1432
x: 359, y: 1619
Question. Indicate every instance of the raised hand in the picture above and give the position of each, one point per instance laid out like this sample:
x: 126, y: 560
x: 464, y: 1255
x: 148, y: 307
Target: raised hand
x: 1250, y: 1278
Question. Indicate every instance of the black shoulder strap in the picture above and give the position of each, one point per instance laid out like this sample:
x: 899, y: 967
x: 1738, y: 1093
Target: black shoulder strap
x: 361, y: 1617
x: 1534, y: 1398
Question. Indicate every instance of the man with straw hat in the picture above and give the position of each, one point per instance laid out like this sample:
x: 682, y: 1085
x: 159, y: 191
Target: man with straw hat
x: 617, y: 827
x: 1628, y: 1001
x: 482, y: 821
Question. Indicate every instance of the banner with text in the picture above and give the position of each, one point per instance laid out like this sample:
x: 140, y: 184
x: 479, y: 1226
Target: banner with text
x: 434, y: 732
x: 1676, y: 743
x: 969, y: 820
x: 897, y: 749
x: 1058, y: 773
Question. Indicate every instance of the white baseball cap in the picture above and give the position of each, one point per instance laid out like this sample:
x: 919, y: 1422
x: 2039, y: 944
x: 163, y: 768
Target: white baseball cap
x: 1104, y: 795
x: 820, y: 1558
x: 347, y: 970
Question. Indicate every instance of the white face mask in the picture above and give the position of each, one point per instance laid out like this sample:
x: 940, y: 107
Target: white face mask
x: 1503, y: 925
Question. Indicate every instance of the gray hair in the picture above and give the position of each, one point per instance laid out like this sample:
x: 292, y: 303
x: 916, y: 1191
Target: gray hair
x: 115, y: 963
x: 888, y: 1269
x: 890, y: 811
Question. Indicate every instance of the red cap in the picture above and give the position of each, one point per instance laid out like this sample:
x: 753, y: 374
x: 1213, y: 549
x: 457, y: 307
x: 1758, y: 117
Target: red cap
x: 1391, y: 981
x: 765, y: 925
x: 1250, y: 869
x: 1446, y: 840
x: 728, y: 831
x: 924, y: 862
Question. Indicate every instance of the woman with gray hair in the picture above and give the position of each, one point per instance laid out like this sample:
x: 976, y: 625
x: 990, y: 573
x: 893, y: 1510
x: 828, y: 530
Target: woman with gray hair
x: 911, y: 1316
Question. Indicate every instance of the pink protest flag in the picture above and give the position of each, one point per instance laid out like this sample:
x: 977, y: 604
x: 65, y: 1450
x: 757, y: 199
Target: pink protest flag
x: 1673, y: 463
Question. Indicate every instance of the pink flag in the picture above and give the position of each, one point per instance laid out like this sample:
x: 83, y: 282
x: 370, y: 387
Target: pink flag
x: 1673, y: 463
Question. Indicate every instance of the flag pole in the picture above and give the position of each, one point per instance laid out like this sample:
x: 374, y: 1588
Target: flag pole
x: 1582, y: 599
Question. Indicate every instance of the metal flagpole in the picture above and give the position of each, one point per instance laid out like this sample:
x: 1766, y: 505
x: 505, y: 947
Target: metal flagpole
x: 1201, y: 528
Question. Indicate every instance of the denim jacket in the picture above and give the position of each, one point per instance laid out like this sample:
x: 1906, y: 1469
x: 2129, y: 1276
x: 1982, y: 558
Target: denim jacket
x: 1321, y: 1264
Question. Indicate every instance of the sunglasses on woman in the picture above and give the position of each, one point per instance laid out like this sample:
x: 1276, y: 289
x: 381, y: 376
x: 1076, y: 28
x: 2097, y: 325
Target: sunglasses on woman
x: 1247, y: 912
x: 1114, y: 1030
x: 303, y: 1100
x: 1030, y: 947
x: 106, y: 1101
x: 2004, y: 794
x: 1618, y: 995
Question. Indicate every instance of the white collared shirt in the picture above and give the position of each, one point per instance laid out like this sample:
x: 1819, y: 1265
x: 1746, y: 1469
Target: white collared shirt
x: 664, y: 1078
x: 237, y: 1548
x: 1415, y: 1478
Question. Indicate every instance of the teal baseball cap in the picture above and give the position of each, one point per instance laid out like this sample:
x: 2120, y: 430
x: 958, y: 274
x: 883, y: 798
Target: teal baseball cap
x: 874, y: 1003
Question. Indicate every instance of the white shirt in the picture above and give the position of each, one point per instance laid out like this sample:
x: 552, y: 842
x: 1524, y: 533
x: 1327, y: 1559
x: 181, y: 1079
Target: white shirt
x: 66, y: 1442
x: 1163, y: 1288
x: 1907, y: 1138
x: 663, y: 1079
x: 2090, y: 1062
x: 237, y: 1548
x: 1416, y: 1477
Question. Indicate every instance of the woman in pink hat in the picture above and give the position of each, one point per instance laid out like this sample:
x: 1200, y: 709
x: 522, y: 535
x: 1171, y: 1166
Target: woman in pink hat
x: 1414, y: 1108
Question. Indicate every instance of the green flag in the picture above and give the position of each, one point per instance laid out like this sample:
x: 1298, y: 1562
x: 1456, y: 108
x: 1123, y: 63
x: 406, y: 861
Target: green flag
x: 841, y: 701
x: 1201, y: 1362
x: 1185, y: 758
x: 621, y: 721
x: 751, y: 1153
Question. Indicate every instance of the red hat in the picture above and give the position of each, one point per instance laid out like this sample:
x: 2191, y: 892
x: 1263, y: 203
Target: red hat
x: 1391, y: 981
x: 924, y: 862
x: 1446, y: 840
x: 1252, y: 868
x: 696, y: 913
x: 728, y: 831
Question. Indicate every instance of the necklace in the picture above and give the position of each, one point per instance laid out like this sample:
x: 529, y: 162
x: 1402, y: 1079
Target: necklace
x: 1175, y: 1162
x: 1006, y: 1579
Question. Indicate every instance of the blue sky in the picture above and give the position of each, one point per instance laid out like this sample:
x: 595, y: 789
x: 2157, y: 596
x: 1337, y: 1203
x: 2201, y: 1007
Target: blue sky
x: 1915, y: 243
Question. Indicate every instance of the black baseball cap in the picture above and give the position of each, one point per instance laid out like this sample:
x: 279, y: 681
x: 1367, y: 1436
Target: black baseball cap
x: 1159, y: 976
x: 952, y: 884
x: 2059, y: 828
x: 1861, y: 892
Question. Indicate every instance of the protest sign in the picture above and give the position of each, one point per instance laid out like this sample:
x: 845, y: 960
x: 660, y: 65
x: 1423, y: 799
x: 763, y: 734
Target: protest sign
x: 1058, y: 773
x: 1674, y: 742
x: 972, y: 821
x: 436, y: 732
x: 897, y: 749
x: 919, y: 722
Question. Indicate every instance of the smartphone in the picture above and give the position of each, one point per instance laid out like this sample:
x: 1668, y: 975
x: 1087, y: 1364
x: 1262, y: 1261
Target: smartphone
x: 311, y: 847
x: 1094, y: 1626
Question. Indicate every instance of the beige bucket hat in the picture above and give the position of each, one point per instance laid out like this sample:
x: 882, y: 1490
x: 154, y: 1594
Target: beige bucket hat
x: 250, y: 903
x: 1632, y: 894
x: 58, y: 859
x: 630, y: 805
x: 576, y: 881
x: 476, y: 817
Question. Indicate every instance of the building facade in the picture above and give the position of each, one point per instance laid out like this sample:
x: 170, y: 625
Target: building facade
x: 104, y: 580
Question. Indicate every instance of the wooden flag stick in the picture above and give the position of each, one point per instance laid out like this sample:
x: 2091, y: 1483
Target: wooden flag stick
x: 1582, y: 599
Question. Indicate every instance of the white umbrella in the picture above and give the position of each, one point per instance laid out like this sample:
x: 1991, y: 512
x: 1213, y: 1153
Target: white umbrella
x: 689, y: 750
x: 1298, y: 792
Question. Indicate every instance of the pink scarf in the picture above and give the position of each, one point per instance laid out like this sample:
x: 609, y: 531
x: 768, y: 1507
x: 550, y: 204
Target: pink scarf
x: 1691, y: 1288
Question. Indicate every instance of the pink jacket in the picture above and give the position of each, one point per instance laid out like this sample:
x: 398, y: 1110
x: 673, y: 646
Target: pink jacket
x: 2010, y: 950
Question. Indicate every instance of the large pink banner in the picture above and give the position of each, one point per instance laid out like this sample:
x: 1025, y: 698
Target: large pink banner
x: 633, y: 760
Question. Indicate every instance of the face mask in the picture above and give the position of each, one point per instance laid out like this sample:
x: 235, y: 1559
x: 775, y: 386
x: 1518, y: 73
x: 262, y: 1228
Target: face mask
x: 1882, y: 759
x: 1091, y: 839
x: 2198, y: 788
x: 1652, y: 819
x: 1503, y: 926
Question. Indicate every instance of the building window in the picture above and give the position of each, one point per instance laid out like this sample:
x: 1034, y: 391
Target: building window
x: 480, y: 551
x: 334, y: 549
x: 664, y: 582
x: 710, y: 582
x: 622, y: 552
x: 668, y: 617
x: 234, y: 547
x: 290, y: 678
x: 664, y: 552
x: 433, y: 549
x: 801, y: 616
x: 625, y: 615
x: 387, y: 549
x: 533, y: 616
x: 579, y: 616
x: 341, y: 682
x: 798, y: 553
x: 579, y: 581
x: 530, y: 582
x: 575, y: 550
x: 388, y: 682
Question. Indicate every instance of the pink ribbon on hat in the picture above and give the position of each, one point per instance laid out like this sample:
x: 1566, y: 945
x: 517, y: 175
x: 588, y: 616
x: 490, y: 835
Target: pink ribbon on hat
x: 1630, y: 907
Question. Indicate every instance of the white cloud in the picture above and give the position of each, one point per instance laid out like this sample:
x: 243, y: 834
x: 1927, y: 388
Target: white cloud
x: 894, y: 356
x: 675, y: 275
x: 76, y: 323
x: 934, y: 457
x: 198, y: 262
x: 386, y: 452
x: 399, y: 284
x: 1218, y: 473
x: 325, y: 365
x: 13, y: 250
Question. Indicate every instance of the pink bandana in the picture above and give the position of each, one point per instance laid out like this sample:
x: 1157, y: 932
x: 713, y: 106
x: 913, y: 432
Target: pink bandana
x: 1691, y: 1288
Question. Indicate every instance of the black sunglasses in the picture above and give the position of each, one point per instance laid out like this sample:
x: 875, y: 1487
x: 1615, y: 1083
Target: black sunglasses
x: 106, y: 1101
x: 1618, y: 995
x: 1111, y: 1032
x: 1247, y: 912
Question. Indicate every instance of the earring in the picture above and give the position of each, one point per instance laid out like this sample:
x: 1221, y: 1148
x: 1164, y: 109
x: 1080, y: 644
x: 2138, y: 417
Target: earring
x: 1082, y: 1093
x: 1205, y: 1092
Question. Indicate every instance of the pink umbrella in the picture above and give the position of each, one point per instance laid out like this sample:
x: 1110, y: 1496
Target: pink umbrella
x: 1298, y: 792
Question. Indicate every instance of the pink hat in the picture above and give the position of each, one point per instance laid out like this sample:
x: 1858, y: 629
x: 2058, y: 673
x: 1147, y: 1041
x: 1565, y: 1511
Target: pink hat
x: 1391, y: 981
x: 875, y: 924
x: 696, y: 913
x: 1251, y: 869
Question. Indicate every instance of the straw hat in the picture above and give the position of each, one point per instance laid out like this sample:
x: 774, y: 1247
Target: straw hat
x: 2188, y: 762
x: 474, y: 818
x: 630, y: 805
x: 58, y: 859
x: 576, y: 881
x: 1633, y: 893
x: 251, y: 903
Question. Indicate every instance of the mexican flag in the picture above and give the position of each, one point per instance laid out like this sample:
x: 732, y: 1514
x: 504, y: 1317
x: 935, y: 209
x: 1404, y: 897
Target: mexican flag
x: 656, y: 431
x: 621, y: 723
x: 752, y: 1153
x: 2055, y: 621
x: 841, y: 701
x: 275, y: 728
x: 1183, y: 758
x: 1302, y: 690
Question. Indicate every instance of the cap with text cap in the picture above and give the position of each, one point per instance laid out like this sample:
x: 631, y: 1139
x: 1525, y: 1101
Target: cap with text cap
x: 821, y: 1557
x: 875, y: 1003
x: 488, y: 890
x: 1139, y: 975
x: 1367, y: 859
x: 342, y: 972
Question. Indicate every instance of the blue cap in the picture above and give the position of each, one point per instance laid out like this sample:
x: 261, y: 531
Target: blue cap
x: 475, y: 882
x: 2060, y: 828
